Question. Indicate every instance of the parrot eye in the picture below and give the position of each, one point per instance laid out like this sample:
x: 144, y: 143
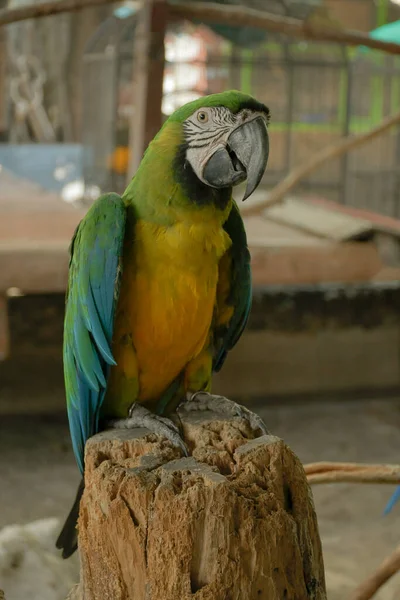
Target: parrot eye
x: 202, y: 117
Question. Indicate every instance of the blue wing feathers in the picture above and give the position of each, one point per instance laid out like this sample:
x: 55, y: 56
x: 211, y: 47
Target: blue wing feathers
x: 96, y: 254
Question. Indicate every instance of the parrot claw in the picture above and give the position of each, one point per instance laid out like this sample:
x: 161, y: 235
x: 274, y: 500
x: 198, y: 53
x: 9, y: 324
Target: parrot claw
x: 206, y: 401
x: 139, y: 416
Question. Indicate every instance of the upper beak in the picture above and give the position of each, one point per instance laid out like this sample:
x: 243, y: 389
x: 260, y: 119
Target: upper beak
x: 245, y: 157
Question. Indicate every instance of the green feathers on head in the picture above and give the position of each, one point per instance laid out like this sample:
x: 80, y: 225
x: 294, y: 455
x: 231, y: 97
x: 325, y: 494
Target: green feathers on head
x: 233, y: 99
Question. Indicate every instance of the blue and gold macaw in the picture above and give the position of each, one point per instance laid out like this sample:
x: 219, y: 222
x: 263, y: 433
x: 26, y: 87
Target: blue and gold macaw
x: 159, y: 283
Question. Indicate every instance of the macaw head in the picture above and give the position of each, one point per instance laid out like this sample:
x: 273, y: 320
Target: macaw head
x: 224, y: 141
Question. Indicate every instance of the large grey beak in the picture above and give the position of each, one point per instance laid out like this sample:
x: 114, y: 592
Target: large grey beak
x: 250, y: 143
x: 245, y: 157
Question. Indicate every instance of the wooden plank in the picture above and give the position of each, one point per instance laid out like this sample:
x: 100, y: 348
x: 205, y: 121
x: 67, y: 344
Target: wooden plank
x: 28, y: 212
x: 347, y: 262
x: 388, y: 274
x: 43, y: 267
x: 4, y: 329
x: 264, y: 233
x: 148, y: 74
x: 318, y: 220
x: 34, y: 269
x: 36, y: 228
x: 378, y: 221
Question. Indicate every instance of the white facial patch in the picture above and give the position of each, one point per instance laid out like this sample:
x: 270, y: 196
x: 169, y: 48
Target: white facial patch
x: 208, y: 129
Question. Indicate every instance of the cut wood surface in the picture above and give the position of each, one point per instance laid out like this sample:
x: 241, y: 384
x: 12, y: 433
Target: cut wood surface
x: 234, y: 521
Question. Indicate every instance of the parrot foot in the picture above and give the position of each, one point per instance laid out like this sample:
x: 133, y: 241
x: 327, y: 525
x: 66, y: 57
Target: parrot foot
x: 206, y: 401
x: 139, y: 416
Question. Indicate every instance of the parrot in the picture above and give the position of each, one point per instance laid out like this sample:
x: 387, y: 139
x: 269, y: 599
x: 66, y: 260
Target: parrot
x: 159, y: 284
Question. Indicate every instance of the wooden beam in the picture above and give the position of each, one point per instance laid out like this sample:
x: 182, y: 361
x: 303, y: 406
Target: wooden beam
x: 210, y: 12
x: 148, y: 77
x: 310, y: 29
x: 46, y: 9
x: 34, y: 270
x: 154, y: 523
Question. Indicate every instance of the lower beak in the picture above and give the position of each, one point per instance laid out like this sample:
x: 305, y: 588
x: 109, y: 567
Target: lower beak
x: 245, y: 157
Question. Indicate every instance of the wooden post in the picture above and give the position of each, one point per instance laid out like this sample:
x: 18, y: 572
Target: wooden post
x: 148, y: 75
x: 234, y: 521
x: 4, y: 329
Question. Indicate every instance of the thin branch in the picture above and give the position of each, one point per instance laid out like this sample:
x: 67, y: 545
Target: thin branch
x: 327, y: 466
x: 45, y: 9
x: 210, y: 12
x: 307, y: 30
x: 331, y: 472
x: 385, y: 571
x: 331, y: 152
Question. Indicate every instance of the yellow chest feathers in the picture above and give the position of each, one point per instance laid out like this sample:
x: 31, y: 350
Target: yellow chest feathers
x: 188, y: 243
x: 174, y: 282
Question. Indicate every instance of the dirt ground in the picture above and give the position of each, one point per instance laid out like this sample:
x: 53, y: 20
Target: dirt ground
x: 38, y: 478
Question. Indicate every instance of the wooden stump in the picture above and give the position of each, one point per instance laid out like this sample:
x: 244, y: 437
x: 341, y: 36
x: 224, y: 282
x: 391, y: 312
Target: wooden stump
x: 234, y: 521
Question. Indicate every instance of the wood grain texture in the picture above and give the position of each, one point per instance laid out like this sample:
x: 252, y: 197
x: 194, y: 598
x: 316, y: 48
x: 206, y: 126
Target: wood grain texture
x: 234, y: 521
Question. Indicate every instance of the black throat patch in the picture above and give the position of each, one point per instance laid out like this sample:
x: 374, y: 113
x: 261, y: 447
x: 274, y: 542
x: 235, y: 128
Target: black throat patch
x: 198, y: 192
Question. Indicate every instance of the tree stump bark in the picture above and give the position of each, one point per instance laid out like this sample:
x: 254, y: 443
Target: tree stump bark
x: 234, y: 521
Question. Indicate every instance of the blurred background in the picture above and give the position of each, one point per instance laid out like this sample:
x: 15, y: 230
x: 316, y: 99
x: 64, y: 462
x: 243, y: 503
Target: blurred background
x: 81, y: 94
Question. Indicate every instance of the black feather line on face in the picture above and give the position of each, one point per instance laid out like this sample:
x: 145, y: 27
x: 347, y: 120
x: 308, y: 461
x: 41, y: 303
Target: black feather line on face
x: 197, y: 192
x: 256, y: 106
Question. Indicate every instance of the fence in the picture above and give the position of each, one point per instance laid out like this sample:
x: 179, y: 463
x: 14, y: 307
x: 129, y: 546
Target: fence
x: 317, y: 93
